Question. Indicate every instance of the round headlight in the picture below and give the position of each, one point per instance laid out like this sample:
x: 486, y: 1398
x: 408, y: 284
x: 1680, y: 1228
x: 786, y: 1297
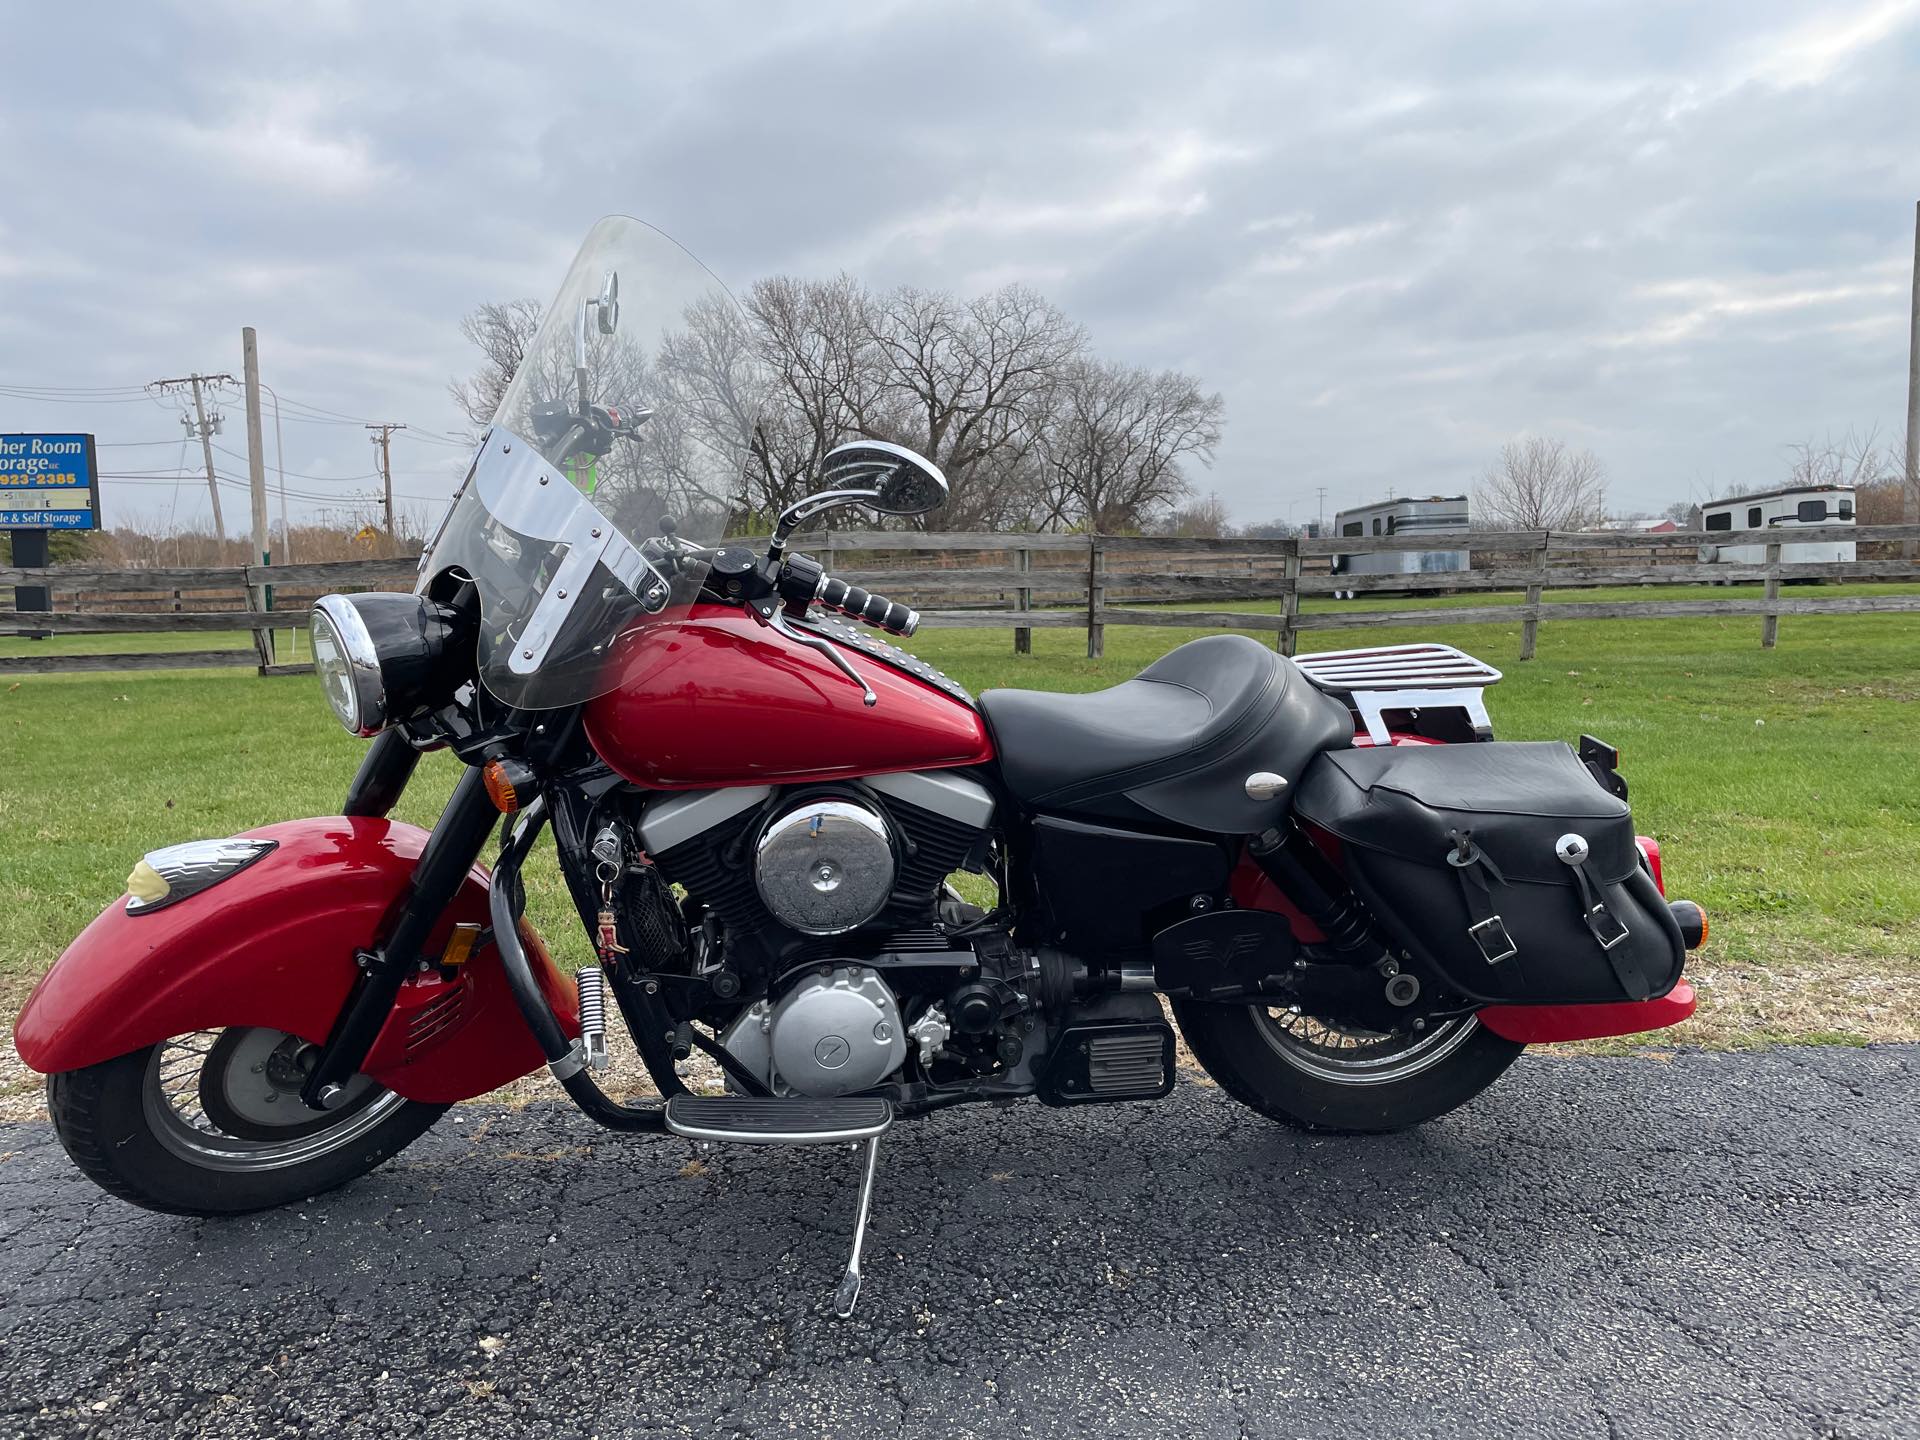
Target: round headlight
x: 348, y: 664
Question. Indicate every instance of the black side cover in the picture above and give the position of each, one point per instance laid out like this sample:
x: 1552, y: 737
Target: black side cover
x: 1453, y: 847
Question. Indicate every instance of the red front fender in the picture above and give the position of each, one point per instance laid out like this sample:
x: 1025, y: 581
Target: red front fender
x: 273, y: 945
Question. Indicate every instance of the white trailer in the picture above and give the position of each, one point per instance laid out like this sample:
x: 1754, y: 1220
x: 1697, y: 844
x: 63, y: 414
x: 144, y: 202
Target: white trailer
x: 1783, y: 510
x: 1435, y: 515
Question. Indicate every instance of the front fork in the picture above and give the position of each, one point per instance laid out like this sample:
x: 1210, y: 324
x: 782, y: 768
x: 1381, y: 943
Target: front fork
x: 450, y: 852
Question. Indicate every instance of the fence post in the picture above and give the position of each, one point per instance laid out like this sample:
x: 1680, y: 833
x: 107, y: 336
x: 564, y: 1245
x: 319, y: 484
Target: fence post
x: 262, y: 641
x: 1770, y: 621
x: 1096, y: 598
x: 1530, y: 626
x: 250, y: 596
x: 1289, y: 638
x: 1023, y: 602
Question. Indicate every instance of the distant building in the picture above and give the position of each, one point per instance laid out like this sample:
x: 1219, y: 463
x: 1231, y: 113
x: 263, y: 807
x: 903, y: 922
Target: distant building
x: 1793, y: 508
x: 1434, y: 515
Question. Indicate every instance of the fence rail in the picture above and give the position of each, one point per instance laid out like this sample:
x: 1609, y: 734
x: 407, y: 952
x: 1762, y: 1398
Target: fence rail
x: 1060, y: 582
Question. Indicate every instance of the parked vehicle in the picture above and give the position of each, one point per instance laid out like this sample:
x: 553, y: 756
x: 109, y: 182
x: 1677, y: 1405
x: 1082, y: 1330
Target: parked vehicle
x: 1792, y: 509
x: 1437, y: 515
x: 1361, y: 907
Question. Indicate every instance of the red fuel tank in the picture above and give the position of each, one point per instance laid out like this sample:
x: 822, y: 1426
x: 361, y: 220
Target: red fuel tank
x: 712, y: 697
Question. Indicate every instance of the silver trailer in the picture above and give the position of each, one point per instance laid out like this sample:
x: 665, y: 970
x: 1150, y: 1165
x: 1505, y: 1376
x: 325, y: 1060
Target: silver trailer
x: 1784, y: 510
x: 1433, y: 514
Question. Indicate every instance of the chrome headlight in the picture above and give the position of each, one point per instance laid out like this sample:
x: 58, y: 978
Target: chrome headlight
x: 380, y: 657
x: 165, y: 876
x: 348, y: 665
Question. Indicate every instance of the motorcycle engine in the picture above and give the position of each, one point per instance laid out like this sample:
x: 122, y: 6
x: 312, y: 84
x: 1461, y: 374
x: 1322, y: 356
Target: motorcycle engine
x: 831, y: 1034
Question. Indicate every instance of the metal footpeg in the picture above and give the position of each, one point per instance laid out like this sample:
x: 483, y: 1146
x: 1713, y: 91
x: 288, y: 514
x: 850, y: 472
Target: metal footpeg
x: 745, y: 1120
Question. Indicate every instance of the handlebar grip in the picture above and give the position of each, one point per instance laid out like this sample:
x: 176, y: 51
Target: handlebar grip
x: 875, y: 610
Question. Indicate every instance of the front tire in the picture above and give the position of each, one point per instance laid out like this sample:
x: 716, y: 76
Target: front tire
x: 212, y: 1124
x: 1305, y: 1072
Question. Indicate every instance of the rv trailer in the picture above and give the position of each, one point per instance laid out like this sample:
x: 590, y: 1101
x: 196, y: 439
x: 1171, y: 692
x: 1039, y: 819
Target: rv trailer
x: 1783, y: 510
x: 1436, y: 515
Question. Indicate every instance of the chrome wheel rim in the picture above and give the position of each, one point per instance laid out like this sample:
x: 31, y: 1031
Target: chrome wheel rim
x: 220, y: 1066
x: 1345, y: 1055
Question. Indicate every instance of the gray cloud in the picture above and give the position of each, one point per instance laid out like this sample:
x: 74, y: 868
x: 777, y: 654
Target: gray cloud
x: 1390, y: 239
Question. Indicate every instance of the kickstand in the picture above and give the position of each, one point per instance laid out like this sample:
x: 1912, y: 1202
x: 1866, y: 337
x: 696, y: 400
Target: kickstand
x: 849, y: 1291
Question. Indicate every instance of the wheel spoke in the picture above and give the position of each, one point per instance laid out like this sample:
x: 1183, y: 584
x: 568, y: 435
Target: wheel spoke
x: 246, y: 1074
x: 1350, y: 1055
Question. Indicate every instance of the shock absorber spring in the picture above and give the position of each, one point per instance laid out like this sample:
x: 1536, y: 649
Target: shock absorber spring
x: 1292, y: 862
x: 590, y: 983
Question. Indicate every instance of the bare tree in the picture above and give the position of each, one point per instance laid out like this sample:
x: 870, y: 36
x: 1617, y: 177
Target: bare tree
x: 1278, y: 528
x: 502, y: 332
x: 1118, y: 438
x: 1540, y: 483
x: 998, y: 391
x: 971, y: 387
x: 1204, y: 515
x: 1853, y: 459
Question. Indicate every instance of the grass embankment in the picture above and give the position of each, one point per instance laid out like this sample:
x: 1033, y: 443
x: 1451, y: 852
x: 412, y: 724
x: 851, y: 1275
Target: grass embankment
x: 1784, y: 784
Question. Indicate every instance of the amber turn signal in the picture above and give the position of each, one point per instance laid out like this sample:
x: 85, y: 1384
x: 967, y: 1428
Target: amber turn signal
x: 460, y: 944
x: 1692, y: 921
x: 509, y: 784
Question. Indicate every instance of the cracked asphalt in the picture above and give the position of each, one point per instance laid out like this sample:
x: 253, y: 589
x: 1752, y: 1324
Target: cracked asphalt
x: 1702, y: 1245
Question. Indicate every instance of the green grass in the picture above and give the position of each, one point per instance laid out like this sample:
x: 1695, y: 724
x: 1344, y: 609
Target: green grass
x: 1784, y: 784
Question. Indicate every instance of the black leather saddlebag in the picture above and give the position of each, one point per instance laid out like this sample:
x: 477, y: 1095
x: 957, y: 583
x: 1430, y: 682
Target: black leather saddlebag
x: 1503, y: 866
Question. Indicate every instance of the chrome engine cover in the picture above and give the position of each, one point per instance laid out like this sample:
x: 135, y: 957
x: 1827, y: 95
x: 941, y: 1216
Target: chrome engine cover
x: 831, y: 1034
x: 825, y: 867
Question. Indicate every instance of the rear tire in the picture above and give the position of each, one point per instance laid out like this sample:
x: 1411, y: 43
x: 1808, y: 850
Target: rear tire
x: 143, y: 1126
x: 1306, y: 1073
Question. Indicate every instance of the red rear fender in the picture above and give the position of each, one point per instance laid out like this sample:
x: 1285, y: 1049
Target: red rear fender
x: 274, y: 945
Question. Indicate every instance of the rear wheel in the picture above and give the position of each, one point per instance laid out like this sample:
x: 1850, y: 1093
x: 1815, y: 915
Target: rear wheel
x: 212, y: 1124
x: 1320, y: 1076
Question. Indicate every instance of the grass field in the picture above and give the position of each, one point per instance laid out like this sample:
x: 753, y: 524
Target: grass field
x: 1784, y: 784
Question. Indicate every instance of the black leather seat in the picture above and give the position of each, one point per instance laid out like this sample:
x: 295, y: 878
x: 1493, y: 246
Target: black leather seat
x: 1176, y: 742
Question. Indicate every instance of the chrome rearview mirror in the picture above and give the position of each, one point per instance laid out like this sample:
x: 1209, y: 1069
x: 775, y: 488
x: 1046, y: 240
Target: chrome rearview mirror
x: 882, y: 476
x: 901, y: 482
x: 601, y: 313
x: 607, y: 307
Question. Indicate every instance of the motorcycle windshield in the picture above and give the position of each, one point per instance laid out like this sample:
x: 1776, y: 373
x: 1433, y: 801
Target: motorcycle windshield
x: 616, y: 455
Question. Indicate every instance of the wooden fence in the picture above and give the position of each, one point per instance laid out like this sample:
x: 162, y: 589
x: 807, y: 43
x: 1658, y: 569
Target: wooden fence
x: 1026, y: 582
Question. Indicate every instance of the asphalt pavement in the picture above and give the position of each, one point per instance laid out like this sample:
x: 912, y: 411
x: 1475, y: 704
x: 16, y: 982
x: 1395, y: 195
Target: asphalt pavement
x: 1703, y: 1245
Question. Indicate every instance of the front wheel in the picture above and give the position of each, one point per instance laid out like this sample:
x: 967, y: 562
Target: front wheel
x: 1319, y: 1076
x: 212, y: 1124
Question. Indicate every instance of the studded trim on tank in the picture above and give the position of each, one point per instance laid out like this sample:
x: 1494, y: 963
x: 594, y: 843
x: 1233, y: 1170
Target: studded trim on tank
x: 868, y: 642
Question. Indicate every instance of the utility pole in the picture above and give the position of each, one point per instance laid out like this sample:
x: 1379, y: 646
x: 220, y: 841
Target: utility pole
x: 257, y: 483
x: 205, y: 433
x: 256, y: 454
x: 1910, y: 492
x: 383, y: 439
x: 1321, y: 490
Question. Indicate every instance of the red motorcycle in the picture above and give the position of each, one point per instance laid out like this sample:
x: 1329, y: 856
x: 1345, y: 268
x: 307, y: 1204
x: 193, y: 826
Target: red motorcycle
x: 1361, y: 906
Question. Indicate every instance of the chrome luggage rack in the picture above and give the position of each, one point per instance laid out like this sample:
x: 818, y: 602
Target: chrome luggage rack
x: 1404, y: 677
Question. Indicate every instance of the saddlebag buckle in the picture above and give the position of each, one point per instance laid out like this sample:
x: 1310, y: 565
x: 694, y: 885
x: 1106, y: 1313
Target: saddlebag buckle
x: 1607, y: 927
x: 1495, y: 943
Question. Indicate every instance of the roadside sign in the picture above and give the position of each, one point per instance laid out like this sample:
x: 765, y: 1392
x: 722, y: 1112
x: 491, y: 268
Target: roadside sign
x: 49, y: 482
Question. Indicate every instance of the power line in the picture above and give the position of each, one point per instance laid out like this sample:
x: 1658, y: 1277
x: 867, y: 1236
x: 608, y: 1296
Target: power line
x: 68, y: 400
x: 302, y: 475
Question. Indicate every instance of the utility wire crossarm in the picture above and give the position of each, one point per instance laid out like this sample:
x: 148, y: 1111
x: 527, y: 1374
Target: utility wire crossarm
x: 205, y: 433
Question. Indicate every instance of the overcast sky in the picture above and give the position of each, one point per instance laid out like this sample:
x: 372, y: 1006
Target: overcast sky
x: 1678, y: 235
